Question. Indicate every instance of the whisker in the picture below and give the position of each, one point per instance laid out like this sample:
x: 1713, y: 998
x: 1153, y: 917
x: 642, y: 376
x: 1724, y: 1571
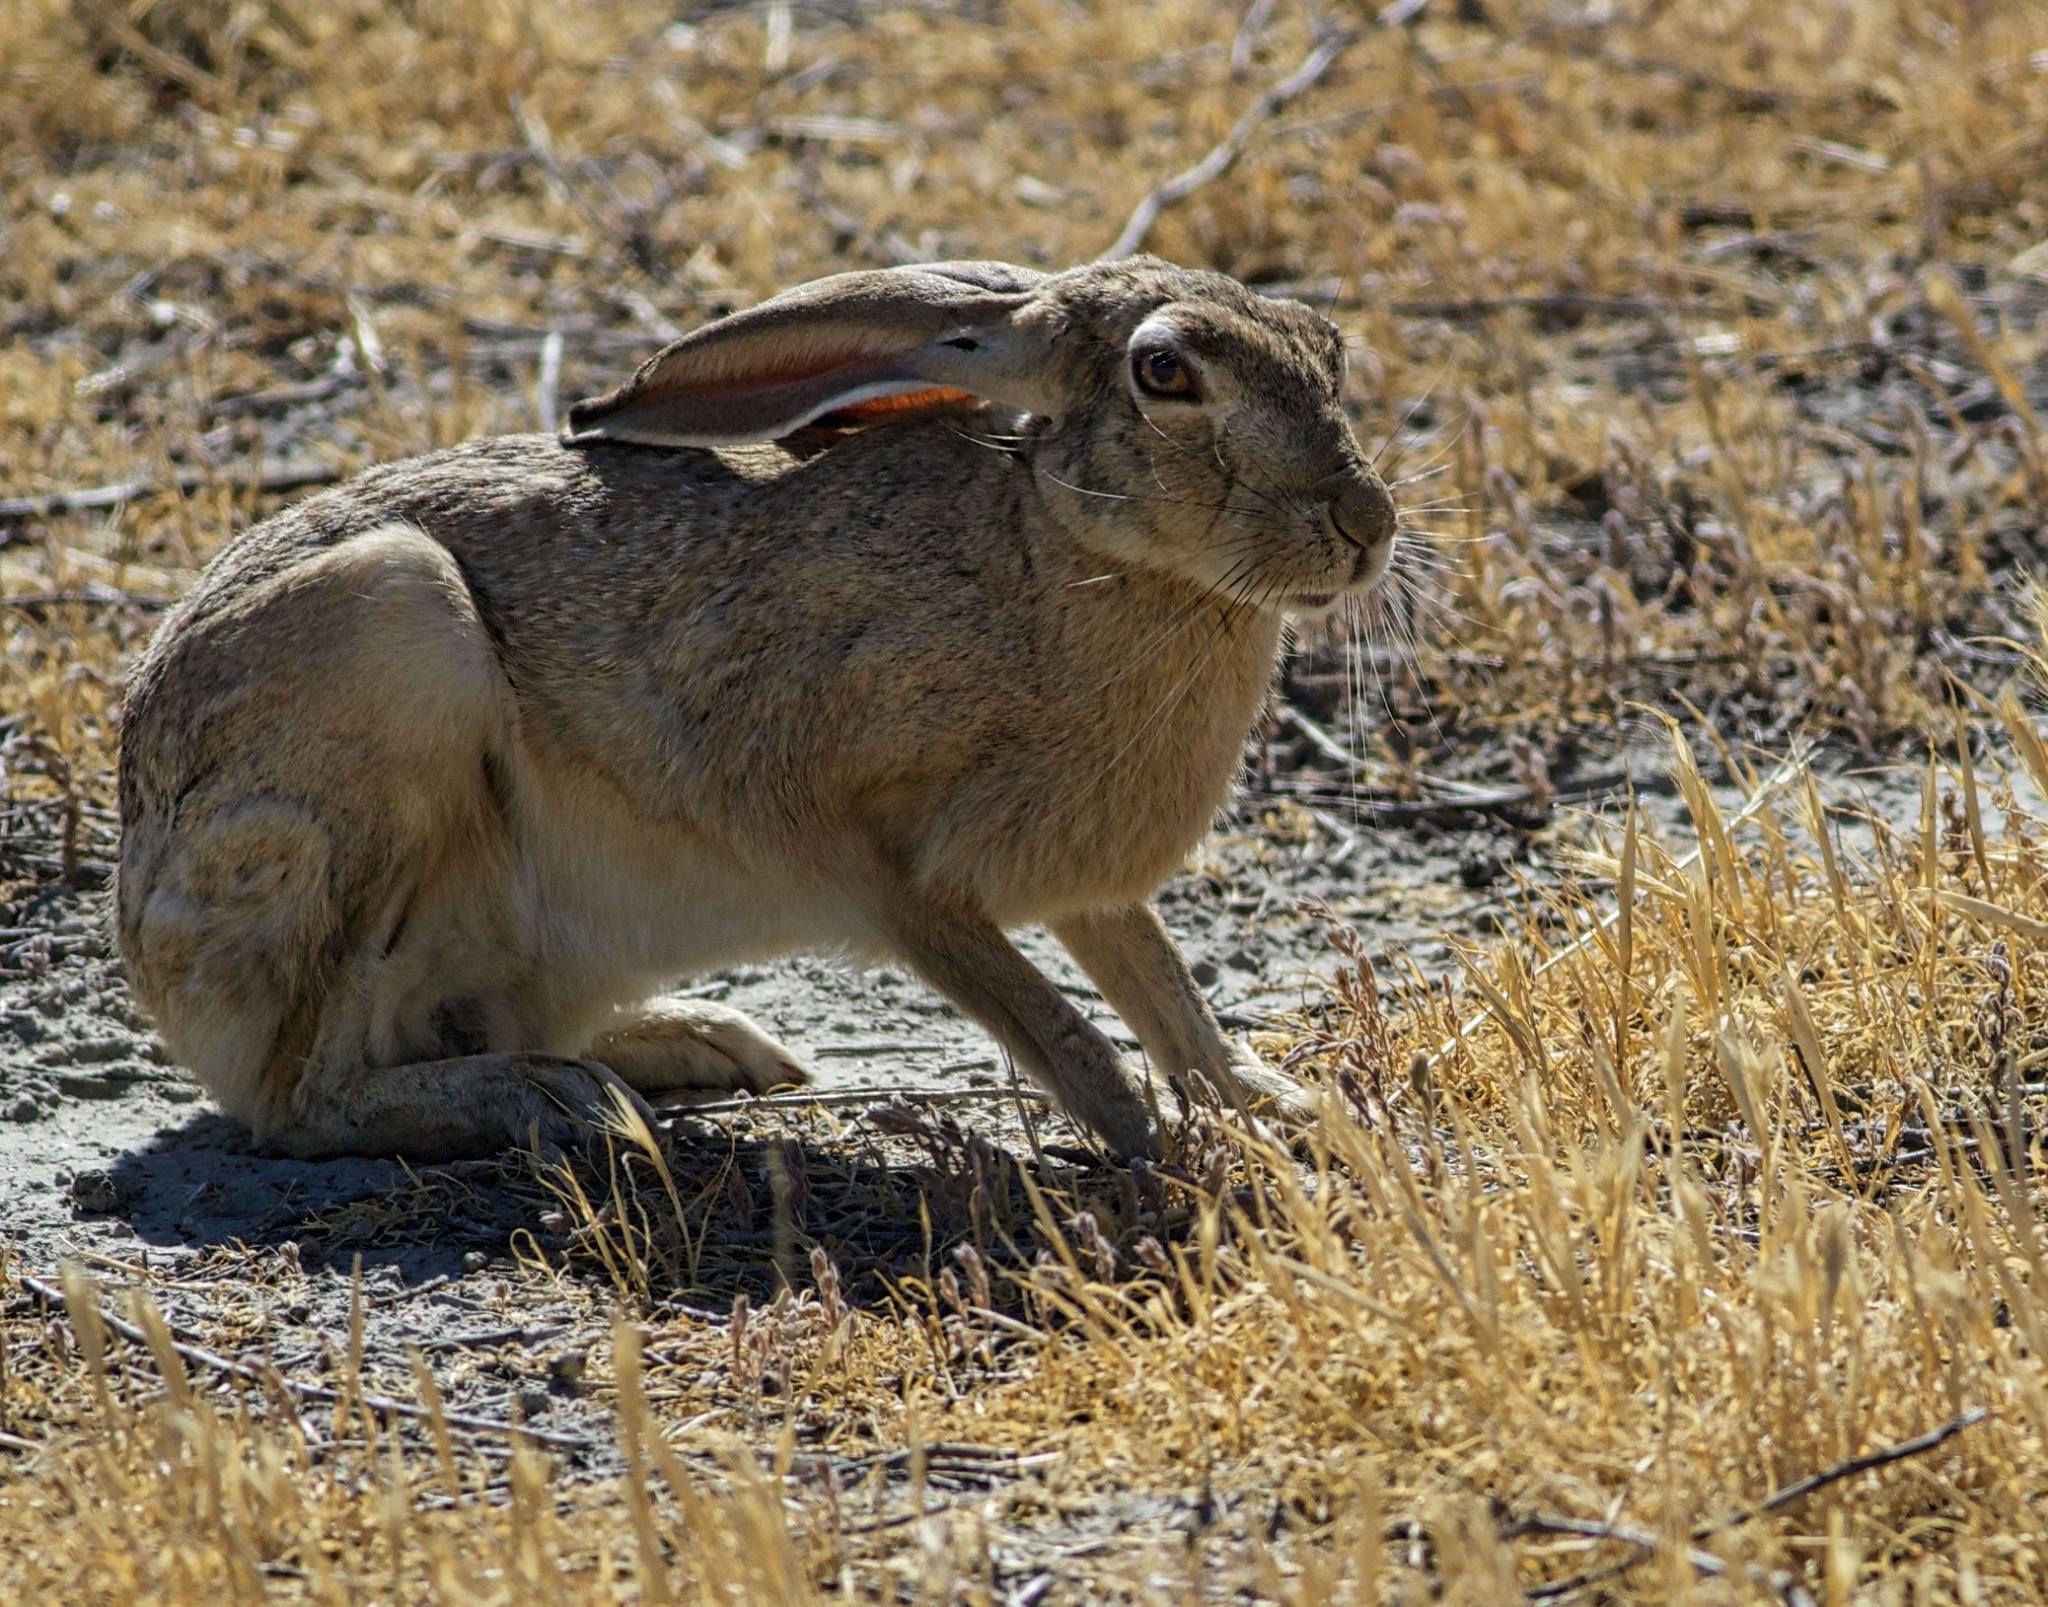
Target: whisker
x: 1401, y: 631
x: 1413, y: 408
x: 1082, y: 490
x: 1456, y: 436
x: 1136, y: 496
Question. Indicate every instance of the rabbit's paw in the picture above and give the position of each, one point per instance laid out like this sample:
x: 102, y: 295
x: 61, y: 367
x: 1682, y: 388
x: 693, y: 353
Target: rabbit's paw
x: 676, y: 1044
x: 1119, y: 1111
x: 1272, y: 1094
x: 1280, y: 1108
x: 569, y: 1104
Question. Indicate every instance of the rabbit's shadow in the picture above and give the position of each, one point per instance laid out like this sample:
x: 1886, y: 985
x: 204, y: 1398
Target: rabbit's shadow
x: 744, y: 1218
x: 203, y: 1185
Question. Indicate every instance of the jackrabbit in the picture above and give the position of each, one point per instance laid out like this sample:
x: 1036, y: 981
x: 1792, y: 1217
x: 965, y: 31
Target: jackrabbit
x: 900, y: 609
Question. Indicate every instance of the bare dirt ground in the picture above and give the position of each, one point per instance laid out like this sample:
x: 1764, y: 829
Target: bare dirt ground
x: 1674, y: 1228
x: 110, y: 1157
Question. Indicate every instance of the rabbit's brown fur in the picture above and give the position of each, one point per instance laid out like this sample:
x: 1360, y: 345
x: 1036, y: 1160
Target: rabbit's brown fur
x: 438, y: 777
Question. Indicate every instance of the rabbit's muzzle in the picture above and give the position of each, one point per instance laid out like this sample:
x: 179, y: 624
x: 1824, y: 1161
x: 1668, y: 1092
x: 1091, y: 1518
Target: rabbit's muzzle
x: 1362, y: 520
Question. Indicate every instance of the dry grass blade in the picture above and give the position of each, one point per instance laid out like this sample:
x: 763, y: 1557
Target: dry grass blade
x: 171, y: 1354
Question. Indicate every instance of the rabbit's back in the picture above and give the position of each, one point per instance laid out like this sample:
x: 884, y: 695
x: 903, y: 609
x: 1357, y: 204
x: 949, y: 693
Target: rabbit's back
x: 713, y: 633
x: 881, y: 643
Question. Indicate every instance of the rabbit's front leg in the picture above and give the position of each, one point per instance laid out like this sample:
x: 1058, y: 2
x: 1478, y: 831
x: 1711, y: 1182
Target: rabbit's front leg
x: 966, y: 957
x: 1131, y: 957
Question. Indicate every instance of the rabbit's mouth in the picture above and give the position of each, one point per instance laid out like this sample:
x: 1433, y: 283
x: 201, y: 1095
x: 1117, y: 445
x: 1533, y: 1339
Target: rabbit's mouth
x: 1367, y: 565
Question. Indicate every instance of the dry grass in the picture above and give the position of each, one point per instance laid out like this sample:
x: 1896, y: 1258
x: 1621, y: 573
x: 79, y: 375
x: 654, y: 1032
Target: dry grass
x: 1717, y: 337
x: 1723, y: 1196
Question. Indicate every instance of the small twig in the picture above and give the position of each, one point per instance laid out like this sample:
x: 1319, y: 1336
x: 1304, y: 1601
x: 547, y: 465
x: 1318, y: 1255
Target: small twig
x: 281, y: 397
x: 1446, y: 794
x: 1646, y: 1545
x: 1541, y: 303
x: 1800, y: 1489
x: 860, y: 1097
x: 953, y: 1452
x: 1221, y: 159
x: 269, y: 477
x: 493, y: 1339
x: 382, y: 1405
x: 1319, y: 739
x: 876, y: 1525
x: 1456, y: 810
x: 864, y: 1051
x: 1591, y: 1529
x: 412, y: 1291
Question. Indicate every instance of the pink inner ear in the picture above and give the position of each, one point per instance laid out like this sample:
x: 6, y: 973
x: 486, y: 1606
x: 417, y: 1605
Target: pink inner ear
x: 876, y: 410
x: 678, y: 398
x: 813, y: 365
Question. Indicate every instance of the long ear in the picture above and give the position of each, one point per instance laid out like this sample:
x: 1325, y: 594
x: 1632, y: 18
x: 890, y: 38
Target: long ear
x: 895, y: 343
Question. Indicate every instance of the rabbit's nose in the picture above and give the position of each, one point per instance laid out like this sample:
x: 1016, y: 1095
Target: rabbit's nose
x: 1363, y: 514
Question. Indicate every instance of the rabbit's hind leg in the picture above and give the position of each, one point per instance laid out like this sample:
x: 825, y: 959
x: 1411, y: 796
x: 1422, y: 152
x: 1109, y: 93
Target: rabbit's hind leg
x: 471, y: 1105
x: 669, y: 1045
x: 317, y: 889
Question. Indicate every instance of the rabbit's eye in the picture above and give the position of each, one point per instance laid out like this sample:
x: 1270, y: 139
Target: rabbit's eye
x: 1161, y: 373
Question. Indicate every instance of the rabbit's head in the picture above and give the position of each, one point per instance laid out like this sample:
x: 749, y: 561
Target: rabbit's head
x: 1175, y: 419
